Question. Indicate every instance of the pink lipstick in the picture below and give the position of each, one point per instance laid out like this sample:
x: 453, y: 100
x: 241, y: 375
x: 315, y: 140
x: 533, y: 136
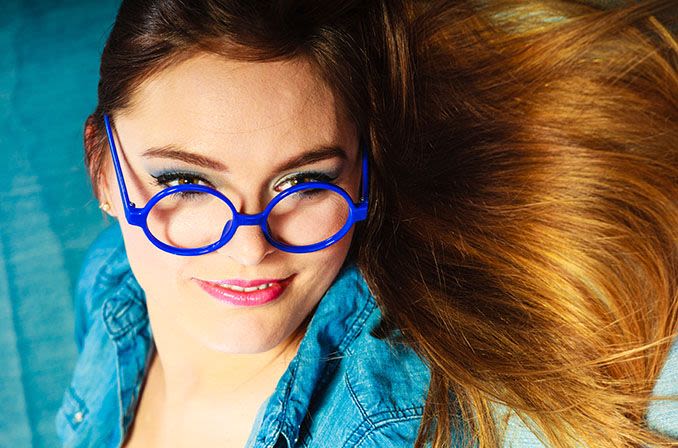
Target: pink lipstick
x: 245, y: 292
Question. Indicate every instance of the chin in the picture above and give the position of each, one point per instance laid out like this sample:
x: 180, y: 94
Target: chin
x: 243, y: 344
x: 239, y: 348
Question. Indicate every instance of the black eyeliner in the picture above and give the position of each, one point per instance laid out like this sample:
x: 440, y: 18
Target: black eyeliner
x: 162, y: 178
x: 317, y: 175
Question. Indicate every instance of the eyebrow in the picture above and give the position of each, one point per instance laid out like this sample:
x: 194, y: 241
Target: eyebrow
x: 174, y: 153
x: 311, y: 156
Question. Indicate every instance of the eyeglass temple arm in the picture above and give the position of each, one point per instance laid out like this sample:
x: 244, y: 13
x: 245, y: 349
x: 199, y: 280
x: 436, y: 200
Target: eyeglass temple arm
x: 118, y: 170
x: 365, y: 177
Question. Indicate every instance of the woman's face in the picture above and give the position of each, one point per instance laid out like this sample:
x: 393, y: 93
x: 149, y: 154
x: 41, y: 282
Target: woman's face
x: 247, y: 119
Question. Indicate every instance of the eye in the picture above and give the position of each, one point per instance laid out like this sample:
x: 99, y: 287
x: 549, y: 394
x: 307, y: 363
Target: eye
x: 174, y: 178
x: 311, y: 176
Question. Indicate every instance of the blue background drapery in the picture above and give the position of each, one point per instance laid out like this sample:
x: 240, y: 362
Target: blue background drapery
x: 49, y: 59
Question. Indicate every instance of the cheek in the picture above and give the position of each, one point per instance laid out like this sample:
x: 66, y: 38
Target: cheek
x: 327, y: 262
x: 151, y: 266
x: 154, y: 269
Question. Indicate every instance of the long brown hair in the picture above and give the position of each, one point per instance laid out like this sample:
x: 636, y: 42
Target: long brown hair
x: 522, y: 231
x: 528, y: 250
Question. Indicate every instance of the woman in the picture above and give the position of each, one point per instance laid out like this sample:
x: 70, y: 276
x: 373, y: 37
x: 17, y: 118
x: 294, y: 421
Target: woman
x: 459, y: 219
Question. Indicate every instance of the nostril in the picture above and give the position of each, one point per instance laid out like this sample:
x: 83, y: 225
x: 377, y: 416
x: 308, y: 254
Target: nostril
x: 248, y: 245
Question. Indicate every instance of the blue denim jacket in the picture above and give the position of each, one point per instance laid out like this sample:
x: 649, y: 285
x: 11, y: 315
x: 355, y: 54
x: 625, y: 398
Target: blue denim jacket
x: 344, y: 388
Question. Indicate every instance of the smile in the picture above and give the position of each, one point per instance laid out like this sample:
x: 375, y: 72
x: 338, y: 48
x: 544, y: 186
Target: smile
x: 254, y: 288
x: 245, y: 296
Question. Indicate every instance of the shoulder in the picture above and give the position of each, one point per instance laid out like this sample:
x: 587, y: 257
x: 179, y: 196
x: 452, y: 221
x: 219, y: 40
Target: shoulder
x: 388, y: 383
x: 376, y: 396
x: 113, y: 340
x: 384, y: 370
x: 105, y: 266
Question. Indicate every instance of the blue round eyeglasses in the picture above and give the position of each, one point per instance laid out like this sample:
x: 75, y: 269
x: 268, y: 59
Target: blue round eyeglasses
x: 306, y: 206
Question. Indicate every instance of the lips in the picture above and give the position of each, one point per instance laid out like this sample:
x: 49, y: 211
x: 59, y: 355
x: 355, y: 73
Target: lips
x: 248, y: 283
x: 225, y: 290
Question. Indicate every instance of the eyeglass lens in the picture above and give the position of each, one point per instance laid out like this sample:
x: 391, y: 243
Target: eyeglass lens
x: 194, y: 219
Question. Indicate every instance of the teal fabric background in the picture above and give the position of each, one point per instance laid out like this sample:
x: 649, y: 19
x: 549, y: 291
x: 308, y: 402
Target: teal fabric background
x: 49, y: 58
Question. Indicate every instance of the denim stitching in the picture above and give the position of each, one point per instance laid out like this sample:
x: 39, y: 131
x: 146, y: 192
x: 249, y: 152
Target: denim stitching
x: 277, y: 424
x: 354, y: 397
x: 74, y: 404
x: 361, y: 433
x: 358, y: 323
x: 412, y: 411
x: 126, y: 288
x: 385, y: 423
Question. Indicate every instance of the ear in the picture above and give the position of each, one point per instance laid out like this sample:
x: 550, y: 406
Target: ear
x: 107, y: 190
x: 98, y: 167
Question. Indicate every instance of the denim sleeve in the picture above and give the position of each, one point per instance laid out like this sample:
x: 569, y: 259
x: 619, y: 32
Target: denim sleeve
x: 89, y: 292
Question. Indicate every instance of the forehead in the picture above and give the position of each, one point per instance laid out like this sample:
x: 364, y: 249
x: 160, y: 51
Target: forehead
x: 215, y: 101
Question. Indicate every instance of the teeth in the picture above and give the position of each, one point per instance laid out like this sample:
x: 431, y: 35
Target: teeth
x: 254, y: 288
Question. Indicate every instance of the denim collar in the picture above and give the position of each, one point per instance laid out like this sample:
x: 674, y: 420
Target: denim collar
x: 338, y: 319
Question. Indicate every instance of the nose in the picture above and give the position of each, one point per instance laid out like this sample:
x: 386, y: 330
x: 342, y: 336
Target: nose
x: 248, y: 246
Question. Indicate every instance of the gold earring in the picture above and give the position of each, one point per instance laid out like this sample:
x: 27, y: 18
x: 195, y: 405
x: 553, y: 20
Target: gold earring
x: 105, y: 207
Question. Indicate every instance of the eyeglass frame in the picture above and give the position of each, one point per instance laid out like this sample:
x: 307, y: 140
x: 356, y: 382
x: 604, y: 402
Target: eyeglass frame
x: 139, y: 216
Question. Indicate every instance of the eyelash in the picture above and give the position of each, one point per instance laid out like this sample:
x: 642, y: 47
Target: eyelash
x: 164, y: 179
x: 308, y: 176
